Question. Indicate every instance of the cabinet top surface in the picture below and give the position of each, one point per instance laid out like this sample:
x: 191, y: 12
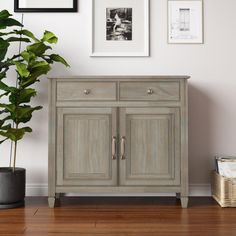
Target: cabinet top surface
x: 121, y: 77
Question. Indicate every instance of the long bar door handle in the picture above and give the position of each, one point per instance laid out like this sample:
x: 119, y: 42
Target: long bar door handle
x: 123, y: 148
x: 113, y: 148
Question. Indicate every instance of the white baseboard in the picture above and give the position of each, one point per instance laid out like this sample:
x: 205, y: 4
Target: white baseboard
x: 203, y: 190
x: 35, y: 190
x: 200, y: 190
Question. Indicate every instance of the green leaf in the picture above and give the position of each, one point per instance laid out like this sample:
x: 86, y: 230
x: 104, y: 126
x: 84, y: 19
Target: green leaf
x: 15, y: 39
x: 58, y: 58
x: 6, y: 88
x: 6, y: 127
x: 38, y: 48
x: 7, y: 33
x: 1, y: 123
x: 16, y: 134
x: 2, y: 75
x: 19, y: 114
x: 28, y: 34
x: 23, y: 96
x: 9, y: 107
x: 4, y: 65
x: 22, y: 69
x: 8, y: 22
x: 35, y: 74
x: 49, y: 37
x: 4, y: 14
x: 3, y: 48
x: 26, y: 95
x: 24, y: 113
x: 39, y: 64
x: 4, y: 94
x: 48, y: 60
x: 3, y: 86
x: 27, y: 129
x: 28, y: 56
x: 7, y: 117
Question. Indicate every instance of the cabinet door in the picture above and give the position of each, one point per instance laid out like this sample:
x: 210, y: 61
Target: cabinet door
x: 84, y: 146
x: 150, y: 144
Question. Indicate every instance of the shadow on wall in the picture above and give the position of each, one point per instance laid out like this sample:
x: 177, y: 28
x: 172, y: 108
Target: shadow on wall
x: 200, y: 136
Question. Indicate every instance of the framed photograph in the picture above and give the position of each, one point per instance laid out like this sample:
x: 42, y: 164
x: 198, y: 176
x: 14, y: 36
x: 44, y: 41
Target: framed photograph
x: 185, y: 21
x: 120, y: 28
x: 45, y: 5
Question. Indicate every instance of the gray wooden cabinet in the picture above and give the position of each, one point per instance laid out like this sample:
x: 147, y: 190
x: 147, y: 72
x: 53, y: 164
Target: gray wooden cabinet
x: 124, y: 134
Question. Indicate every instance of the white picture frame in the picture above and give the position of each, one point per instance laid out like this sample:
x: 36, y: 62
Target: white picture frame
x: 133, y: 16
x: 45, y: 5
x: 185, y: 21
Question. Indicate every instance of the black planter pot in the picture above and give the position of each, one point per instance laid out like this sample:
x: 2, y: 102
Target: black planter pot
x: 12, y: 187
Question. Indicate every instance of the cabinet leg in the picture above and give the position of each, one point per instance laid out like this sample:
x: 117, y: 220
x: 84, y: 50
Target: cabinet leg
x: 184, y: 202
x: 51, y: 202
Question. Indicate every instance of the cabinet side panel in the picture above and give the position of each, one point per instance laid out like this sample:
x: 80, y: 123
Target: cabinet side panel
x: 52, y: 139
x: 184, y: 139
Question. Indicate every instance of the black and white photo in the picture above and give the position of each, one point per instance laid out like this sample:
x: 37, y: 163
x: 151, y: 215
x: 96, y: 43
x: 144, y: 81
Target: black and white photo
x: 120, y: 28
x: 119, y: 24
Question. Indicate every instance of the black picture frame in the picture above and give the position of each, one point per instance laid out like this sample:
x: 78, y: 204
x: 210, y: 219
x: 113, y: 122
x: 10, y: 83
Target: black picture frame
x: 18, y: 9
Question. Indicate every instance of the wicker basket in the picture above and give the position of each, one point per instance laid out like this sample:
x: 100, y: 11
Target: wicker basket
x: 224, y: 190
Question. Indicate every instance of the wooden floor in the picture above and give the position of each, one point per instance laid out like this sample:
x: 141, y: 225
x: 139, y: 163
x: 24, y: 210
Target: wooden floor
x: 119, y: 216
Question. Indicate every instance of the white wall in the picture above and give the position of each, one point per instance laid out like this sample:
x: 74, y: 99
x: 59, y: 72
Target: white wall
x: 212, y: 91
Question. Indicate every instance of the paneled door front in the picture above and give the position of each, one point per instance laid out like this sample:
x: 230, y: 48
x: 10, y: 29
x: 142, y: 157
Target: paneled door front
x: 86, y: 148
x: 149, y: 146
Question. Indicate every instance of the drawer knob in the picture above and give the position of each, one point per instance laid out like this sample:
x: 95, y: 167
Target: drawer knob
x: 86, y: 91
x: 150, y: 91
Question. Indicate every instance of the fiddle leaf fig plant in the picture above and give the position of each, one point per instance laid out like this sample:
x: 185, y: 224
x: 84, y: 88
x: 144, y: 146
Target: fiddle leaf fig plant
x: 33, y: 61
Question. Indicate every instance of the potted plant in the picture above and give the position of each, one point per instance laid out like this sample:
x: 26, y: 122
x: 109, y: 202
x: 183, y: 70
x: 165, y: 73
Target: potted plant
x: 15, y: 96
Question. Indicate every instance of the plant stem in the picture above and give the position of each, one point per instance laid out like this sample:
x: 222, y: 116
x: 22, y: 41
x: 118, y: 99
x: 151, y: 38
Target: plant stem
x: 15, y: 148
x: 10, y: 155
x: 14, y: 162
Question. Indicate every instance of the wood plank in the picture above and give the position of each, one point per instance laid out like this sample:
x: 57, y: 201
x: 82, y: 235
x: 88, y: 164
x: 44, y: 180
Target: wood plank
x: 113, y: 216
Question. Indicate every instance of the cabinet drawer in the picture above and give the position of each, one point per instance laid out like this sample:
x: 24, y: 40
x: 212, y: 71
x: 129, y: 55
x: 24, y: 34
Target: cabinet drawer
x: 86, y: 91
x: 160, y: 91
